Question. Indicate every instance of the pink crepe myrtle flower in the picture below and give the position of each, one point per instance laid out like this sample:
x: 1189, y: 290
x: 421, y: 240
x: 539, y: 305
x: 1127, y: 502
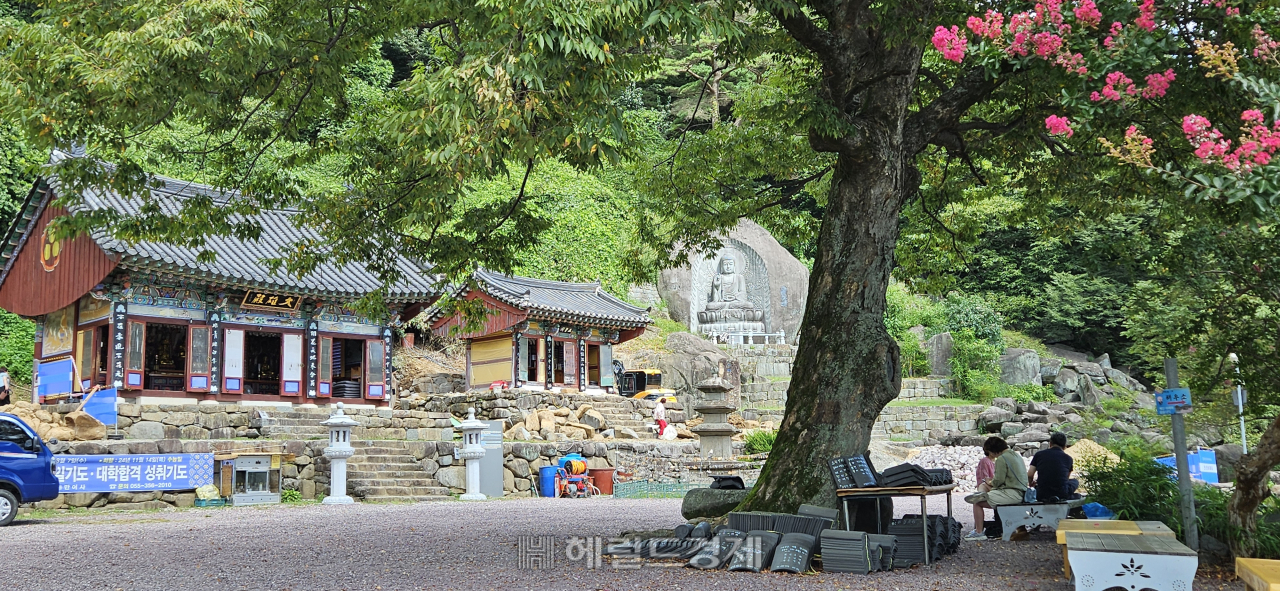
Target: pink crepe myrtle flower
x: 950, y: 42
x: 1117, y: 83
x: 1116, y: 28
x: 1133, y: 131
x: 1146, y: 15
x: 1046, y: 43
x: 1233, y: 11
x: 990, y: 27
x: 1264, y: 47
x: 1072, y: 62
x: 1087, y: 13
x: 1252, y: 115
x: 1058, y: 125
x: 1158, y: 84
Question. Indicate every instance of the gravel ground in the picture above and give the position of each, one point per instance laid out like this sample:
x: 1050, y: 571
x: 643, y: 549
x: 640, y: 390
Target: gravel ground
x: 443, y: 545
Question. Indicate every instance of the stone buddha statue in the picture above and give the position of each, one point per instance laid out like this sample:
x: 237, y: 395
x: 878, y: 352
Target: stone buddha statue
x: 728, y: 309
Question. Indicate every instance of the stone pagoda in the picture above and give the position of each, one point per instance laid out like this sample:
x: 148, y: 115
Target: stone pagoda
x: 715, y: 433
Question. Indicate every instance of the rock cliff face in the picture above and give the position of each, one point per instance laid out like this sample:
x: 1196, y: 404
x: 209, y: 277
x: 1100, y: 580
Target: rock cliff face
x: 688, y: 360
x: 776, y: 283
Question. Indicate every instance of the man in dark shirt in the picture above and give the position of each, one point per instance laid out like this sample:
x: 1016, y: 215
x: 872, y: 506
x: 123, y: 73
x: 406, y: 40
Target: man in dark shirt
x: 1050, y: 471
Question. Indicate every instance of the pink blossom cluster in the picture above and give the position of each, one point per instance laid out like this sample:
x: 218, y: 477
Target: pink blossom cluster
x: 1072, y: 62
x: 1265, y: 47
x: 1133, y: 132
x: 950, y: 42
x: 1118, y: 85
x: 1058, y: 125
x: 1146, y: 15
x: 1087, y: 14
x: 1158, y: 84
x: 1047, y: 44
x: 1257, y: 144
x: 990, y: 28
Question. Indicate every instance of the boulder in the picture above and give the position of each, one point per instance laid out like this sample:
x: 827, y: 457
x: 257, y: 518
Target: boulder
x: 1122, y: 379
x: 688, y: 360
x: 938, y: 350
x: 1036, y: 408
x: 1091, y: 394
x: 452, y: 477
x: 1227, y: 456
x: 1028, y: 437
x: 1005, y: 403
x: 1104, y: 361
x: 592, y: 418
x: 146, y: 430
x: 627, y: 433
x: 710, y: 503
x: 533, y: 422
x: 1019, y: 367
x: 1049, y: 368
x: 1010, y: 429
x: 776, y: 281
x: 1102, y: 436
x: 1093, y: 370
x: 86, y: 427
x: 991, y: 419
x: 1066, y: 383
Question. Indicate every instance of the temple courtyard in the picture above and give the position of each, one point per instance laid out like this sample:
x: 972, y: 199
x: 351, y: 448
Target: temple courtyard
x: 443, y: 545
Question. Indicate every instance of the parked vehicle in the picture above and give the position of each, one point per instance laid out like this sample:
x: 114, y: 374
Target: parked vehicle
x: 640, y: 383
x: 27, y: 468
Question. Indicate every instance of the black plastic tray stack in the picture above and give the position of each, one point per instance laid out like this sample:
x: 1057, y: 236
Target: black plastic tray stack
x: 905, y: 475
x: 793, y: 553
x: 939, y: 476
x: 753, y: 520
x: 719, y: 550
x: 846, y: 552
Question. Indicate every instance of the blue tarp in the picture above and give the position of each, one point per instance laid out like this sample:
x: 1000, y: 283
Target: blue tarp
x: 1203, y: 464
x: 55, y: 377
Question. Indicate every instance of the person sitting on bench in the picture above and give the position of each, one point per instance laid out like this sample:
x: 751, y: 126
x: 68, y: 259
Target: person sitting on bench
x: 1050, y: 472
x: 1008, y: 485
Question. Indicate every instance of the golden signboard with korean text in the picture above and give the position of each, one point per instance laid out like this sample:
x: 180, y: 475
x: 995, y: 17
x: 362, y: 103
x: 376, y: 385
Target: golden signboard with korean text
x: 258, y: 300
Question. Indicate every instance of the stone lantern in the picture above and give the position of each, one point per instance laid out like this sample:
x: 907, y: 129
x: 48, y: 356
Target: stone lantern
x: 338, y: 451
x: 715, y: 434
x: 472, y: 450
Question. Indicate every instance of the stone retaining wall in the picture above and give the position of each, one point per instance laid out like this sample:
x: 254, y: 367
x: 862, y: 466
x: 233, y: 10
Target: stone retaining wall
x: 924, y: 388
x: 923, y: 423
x: 764, y: 360
x: 307, y: 473
x: 229, y: 421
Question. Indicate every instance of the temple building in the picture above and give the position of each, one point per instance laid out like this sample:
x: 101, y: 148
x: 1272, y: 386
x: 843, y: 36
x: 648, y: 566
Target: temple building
x: 164, y: 324
x: 542, y: 334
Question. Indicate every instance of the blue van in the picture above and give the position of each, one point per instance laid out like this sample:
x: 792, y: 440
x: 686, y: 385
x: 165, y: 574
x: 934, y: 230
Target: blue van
x: 27, y: 470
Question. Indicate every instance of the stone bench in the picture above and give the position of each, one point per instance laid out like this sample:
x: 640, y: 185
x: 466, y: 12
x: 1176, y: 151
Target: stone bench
x: 1030, y: 515
x: 1259, y: 574
x: 1108, y: 561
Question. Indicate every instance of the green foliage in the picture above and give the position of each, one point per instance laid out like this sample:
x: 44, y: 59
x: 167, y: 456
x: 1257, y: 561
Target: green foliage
x: 1017, y: 340
x: 971, y: 313
x: 904, y: 310
x: 1135, y: 488
x: 974, y: 371
x: 17, y: 346
x: 758, y: 442
x: 1030, y: 393
x: 1134, y: 446
x: 912, y: 358
x: 1211, y: 510
x: 290, y: 496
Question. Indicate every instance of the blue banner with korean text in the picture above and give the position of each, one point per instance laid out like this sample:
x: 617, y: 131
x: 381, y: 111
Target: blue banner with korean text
x: 119, y: 473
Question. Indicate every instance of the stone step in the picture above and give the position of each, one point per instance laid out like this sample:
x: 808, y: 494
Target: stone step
x: 376, y: 458
x: 385, y: 474
x: 400, y: 491
x: 385, y: 482
x: 406, y: 499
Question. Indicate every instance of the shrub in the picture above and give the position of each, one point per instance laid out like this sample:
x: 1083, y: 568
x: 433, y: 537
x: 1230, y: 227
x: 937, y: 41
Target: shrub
x: 1030, y: 393
x: 904, y: 310
x: 1211, y: 510
x: 290, y: 496
x: 1136, y: 488
x: 17, y: 346
x: 913, y: 359
x: 759, y: 442
x: 973, y: 366
x: 974, y: 314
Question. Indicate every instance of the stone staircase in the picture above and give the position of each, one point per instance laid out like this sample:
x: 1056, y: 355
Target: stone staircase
x: 389, y: 471
x: 382, y: 423
x: 621, y: 413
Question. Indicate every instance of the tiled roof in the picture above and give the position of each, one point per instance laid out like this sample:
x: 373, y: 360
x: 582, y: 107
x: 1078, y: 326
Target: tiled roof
x: 559, y: 300
x: 239, y: 262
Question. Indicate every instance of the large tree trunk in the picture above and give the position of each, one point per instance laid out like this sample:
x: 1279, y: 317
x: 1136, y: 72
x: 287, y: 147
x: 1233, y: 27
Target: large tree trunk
x: 846, y: 368
x: 1252, y: 475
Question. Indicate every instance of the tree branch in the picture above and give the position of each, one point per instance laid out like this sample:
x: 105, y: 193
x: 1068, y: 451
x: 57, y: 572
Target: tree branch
x: 944, y: 112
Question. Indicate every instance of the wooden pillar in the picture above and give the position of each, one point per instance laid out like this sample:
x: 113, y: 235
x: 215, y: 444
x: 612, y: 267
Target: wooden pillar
x: 515, y: 358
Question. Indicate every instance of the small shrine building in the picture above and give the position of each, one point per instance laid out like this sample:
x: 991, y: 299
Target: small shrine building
x: 543, y: 334
x: 163, y: 325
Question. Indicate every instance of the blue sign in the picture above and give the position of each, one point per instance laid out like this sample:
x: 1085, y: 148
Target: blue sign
x: 1173, y: 401
x: 55, y: 377
x: 101, y: 405
x: 119, y: 473
x: 1202, y: 465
